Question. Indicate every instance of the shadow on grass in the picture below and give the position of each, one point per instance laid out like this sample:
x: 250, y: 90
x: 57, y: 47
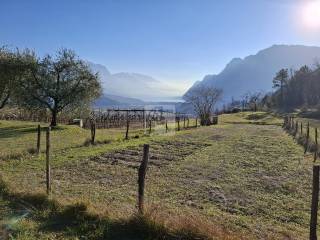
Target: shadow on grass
x: 17, y: 131
x: 254, y: 123
x: 257, y: 116
x: 75, y: 221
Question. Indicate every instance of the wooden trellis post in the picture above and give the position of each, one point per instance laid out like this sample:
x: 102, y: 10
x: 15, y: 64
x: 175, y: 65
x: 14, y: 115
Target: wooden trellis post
x: 150, y: 126
x: 127, y: 130
x: 144, y: 120
x: 178, y: 120
x: 48, y: 169
x: 93, y: 132
x: 167, y: 126
x: 141, y: 177
x: 196, y: 122
x: 38, y: 139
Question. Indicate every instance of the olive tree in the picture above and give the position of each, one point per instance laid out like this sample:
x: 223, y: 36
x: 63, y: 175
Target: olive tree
x: 203, y: 99
x: 57, y: 83
x: 5, y: 88
x: 12, y: 68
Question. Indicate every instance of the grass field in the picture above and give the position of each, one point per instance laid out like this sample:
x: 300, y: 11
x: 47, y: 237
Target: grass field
x: 242, y: 179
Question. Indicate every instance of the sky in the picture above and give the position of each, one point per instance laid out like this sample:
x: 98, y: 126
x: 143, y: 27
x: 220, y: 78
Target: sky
x: 175, y: 41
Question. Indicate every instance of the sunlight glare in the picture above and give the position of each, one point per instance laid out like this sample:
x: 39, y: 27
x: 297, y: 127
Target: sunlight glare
x: 311, y: 15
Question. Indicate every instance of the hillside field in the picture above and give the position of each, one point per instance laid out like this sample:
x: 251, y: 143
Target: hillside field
x: 245, y: 178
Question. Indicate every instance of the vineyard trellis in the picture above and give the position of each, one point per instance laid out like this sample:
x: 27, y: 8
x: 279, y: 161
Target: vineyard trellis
x: 138, y: 118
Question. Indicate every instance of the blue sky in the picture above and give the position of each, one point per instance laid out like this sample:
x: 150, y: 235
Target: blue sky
x: 175, y: 41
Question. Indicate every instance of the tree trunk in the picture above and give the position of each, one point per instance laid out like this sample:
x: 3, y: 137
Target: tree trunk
x: 54, y: 114
x: 4, y: 101
x: 205, y: 120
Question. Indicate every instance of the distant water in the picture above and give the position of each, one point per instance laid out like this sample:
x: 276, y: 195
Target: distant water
x: 164, y: 99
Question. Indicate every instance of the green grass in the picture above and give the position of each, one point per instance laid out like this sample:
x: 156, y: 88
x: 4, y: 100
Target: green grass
x: 243, y: 177
x: 260, y: 118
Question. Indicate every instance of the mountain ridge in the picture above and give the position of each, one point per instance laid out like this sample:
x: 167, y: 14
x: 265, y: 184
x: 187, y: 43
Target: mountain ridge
x: 129, y: 84
x: 255, y: 72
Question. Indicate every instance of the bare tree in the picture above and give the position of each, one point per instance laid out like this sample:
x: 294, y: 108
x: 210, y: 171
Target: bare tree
x: 203, y: 99
x: 244, y: 100
x: 254, y: 99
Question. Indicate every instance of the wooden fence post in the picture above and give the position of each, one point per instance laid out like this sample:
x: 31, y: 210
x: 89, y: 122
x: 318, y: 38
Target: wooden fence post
x: 188, y: 123
x: 316, y: 143
x: 48, y: 172
x: 296, y: 128
x: 178, y: 124
x: 150, y: 126
x: 93, y: 132
x: 184, y: 122
x: 290, y: 122
x: 307, y: 140
x: 141, y: 177
x: 127, y: 131
x: 301, y: 129
x: 285, y: 122
x: 196, y: 122
x: 314, y: 203
x: 167, y: 126
x: 38, y: 139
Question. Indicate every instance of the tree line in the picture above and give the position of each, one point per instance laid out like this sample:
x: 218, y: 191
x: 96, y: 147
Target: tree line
x: 295, y: 89
x: 62, y: 82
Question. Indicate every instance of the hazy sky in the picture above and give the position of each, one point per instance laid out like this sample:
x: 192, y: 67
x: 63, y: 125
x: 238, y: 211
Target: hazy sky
x: 177, y: 41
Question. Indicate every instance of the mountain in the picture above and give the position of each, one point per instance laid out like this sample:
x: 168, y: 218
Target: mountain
x: 132, y: 85
x: 255, y: 72
x: 113, y: 101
